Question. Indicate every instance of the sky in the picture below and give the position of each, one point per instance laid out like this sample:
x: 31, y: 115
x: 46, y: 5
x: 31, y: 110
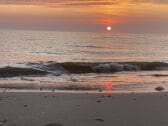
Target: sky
x: 128, y: 16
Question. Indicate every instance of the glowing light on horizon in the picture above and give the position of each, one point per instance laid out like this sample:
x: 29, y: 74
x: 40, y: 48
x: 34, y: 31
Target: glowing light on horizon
x: 140, y: 16
x: 108, y: 28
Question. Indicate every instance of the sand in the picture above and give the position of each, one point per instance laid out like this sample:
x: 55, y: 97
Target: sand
x: 82, y: 109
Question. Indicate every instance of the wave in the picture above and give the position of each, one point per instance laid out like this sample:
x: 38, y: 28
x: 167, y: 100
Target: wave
x: 54, y: 68
x: 14, y: 71
x: 108, y: 67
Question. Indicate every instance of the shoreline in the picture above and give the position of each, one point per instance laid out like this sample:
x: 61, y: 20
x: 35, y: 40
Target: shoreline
x: 10, y: 90
x: 83, y: 109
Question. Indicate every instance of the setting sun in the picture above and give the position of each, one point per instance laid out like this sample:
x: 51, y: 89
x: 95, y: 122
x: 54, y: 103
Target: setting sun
x: 108, y: 28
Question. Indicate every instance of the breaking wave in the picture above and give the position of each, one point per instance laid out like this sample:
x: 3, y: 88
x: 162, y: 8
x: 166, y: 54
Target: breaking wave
x: 54, y: 68
x: 14, y: 71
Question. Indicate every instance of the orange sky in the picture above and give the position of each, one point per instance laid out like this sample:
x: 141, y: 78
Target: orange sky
x: 139, y: 16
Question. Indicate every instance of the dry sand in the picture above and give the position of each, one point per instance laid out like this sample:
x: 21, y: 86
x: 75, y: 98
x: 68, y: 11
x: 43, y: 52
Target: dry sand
x: 72, y: 109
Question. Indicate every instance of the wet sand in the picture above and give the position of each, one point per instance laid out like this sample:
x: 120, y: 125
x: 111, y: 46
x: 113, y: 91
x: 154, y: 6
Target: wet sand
x: 75, y: 109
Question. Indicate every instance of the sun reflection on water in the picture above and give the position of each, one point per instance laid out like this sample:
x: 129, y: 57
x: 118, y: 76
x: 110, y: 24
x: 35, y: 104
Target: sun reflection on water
x: 108, y: 87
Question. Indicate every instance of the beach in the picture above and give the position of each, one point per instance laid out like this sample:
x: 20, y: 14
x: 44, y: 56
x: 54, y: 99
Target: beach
x: 83, y: 62
x: 83, y: 109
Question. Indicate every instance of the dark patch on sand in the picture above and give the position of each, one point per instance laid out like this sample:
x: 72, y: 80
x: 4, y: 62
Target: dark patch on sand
x: 98, y: 101
x: 108, y: 95
x: 53, y: 124
x: 3, y: 122
x: 25, y: 105
x: 159, y: 88
x: 45, y: 96
x: 100, y: 120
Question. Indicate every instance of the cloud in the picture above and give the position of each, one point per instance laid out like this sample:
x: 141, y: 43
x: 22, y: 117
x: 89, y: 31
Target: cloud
x: 150, y: 1
x: 80, y: 2
x: 60, y: 2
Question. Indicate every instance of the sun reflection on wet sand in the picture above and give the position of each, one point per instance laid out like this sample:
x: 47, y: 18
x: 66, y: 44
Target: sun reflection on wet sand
x: 108, y: 87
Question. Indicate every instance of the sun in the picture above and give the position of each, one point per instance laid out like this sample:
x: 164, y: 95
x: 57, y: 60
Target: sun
x: 108, y: 28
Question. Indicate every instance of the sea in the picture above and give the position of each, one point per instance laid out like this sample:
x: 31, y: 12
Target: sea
x: 83, y: 61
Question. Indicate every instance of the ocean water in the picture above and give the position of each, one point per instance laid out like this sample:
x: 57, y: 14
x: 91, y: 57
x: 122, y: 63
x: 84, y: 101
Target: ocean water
x: 81, y: 61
